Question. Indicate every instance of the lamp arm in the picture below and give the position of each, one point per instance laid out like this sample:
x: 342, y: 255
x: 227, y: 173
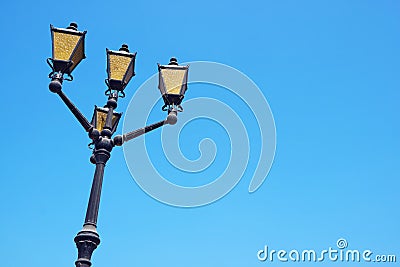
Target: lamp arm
x: 75, y: 111
x: 171, y: 119
x: 120, y: 139
x: 55, y: 86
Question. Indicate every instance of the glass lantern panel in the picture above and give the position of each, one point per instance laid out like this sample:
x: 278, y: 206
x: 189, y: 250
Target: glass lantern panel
x: 78, y: 55
x: 63, y: 45
x: 173, y: 80
x: 129, y: 74
x: 118, y: 66
x: 101, y: 117
x: 100, y: 120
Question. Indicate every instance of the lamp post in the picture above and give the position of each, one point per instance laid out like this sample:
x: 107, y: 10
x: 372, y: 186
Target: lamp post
x: 68, y: 51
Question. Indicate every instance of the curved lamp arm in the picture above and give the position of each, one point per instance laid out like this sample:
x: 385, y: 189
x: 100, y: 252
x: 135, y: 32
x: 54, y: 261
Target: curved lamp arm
x: 55, y: 86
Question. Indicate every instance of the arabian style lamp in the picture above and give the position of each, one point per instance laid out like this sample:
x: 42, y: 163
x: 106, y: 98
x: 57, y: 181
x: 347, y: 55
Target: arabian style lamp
x: 172, y: 82
x: 120, y: 68
x: 68, y: 48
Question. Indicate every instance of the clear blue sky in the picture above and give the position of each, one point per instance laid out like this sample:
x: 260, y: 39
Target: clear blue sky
x: 329, y: 70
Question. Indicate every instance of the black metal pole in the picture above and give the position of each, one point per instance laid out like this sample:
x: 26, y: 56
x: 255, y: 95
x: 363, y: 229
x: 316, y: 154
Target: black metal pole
x: 88, y: 239
x: 95, y: 193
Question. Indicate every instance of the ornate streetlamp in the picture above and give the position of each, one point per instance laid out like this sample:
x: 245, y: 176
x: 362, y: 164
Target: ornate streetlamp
x: 68, y: 51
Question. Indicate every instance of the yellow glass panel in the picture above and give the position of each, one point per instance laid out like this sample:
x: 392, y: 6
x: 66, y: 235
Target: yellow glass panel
x: 114, y: 118
x: 78, y: 56
x: 118, y: 66
x: 101, y: 120
x: 64, y: 45
x: 129, y: 74
x: 173, y: 80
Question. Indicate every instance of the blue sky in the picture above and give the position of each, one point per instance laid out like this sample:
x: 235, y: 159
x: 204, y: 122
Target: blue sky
x: 330, y: 73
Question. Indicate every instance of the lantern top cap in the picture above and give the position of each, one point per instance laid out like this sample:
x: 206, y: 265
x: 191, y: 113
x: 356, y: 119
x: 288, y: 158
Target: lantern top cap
x: 73, y: 26
x: 71, y: 29
x: 173, y: 61
x: 173, y: 64
x: 124, y: 48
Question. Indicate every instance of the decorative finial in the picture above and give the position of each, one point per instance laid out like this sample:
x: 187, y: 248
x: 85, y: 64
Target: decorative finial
x: 124, y: 48
x: 173, y: 61
x: 73, y: 26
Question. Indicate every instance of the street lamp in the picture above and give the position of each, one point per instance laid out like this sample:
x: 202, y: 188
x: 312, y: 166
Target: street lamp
x: 68, y: 52
x: 172, y: 82
x: 68, y: 48
x: 120, y: 68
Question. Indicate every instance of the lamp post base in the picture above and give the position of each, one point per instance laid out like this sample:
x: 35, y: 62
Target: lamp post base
x: 86, y: 241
